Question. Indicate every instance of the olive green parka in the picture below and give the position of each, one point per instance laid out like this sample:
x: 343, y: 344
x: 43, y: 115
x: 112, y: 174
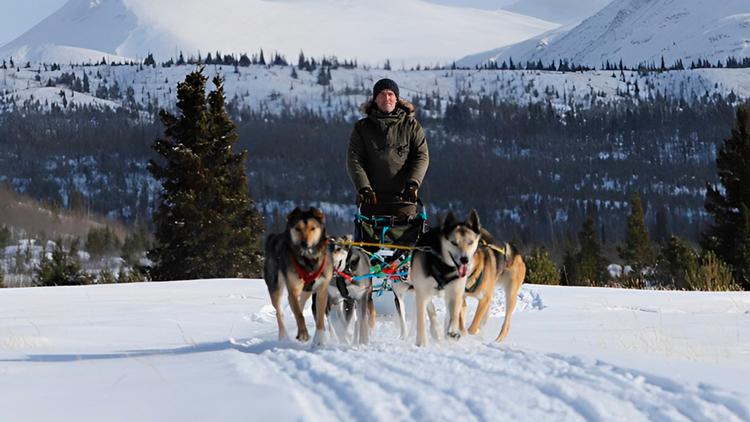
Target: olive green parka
x: 387, y: 151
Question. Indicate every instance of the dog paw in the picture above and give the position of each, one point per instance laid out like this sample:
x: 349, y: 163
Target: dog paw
x: 303, y: 336
x: 436, y: 335
x: 320, y: 338
x: 455, y: 335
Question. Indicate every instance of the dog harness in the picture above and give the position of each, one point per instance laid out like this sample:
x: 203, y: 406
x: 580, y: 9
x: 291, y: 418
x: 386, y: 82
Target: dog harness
x: 440, y: 271
x: 473, y: 288
x: 308, y: 277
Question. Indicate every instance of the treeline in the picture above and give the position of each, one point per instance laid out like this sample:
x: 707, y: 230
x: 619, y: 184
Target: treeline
x: 564, y: 65
x: 532, y: 171
x: 721, y: 264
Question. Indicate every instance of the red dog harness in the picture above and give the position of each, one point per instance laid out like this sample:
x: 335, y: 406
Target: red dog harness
x: 308, y: 277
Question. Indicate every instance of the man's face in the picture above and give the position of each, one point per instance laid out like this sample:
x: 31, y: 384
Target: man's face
x: 386, y: 101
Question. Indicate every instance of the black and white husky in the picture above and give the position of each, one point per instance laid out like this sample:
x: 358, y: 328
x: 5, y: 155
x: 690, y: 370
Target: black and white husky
x: 440, y: 267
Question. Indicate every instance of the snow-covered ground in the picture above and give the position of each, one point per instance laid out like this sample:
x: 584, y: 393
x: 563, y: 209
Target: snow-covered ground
x: 207, y: 350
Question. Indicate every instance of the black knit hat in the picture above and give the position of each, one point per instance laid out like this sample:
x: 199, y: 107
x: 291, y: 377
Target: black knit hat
x: 384, y: 84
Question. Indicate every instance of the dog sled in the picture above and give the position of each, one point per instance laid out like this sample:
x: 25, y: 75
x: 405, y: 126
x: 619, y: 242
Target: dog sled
x: 388, y: 241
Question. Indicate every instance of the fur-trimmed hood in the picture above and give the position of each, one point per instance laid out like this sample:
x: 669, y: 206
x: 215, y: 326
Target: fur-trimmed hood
x: 403, y: 104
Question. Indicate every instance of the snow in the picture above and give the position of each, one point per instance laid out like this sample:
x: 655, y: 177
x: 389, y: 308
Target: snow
x: 207, y: 350
x: 408, y: 31
x: 639, y: 31
x: 272, y: 88
x: 560, y: 11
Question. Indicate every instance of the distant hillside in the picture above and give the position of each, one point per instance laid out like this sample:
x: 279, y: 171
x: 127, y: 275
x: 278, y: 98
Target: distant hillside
x: 23, y: 214
x: 641, y: 31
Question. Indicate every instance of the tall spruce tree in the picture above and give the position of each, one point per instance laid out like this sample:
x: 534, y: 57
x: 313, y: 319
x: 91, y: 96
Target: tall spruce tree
x: 729, y: 235
x: 590, y: 265
x: 206, y: 224
x: 638, y: 252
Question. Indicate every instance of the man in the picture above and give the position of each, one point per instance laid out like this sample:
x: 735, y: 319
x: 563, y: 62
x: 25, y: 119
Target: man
x: 387, y: 156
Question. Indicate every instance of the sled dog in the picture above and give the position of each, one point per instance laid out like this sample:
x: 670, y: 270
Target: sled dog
x: 511, y: 279
x: 359, y: 288
x: 299, y: 260
x: 340, y: 304
x: 494, y: 265
x: 440, y: 266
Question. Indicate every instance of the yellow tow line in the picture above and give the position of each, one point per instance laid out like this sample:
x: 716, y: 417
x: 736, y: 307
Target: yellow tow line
x: 377, y: 245
x: 408, y: 248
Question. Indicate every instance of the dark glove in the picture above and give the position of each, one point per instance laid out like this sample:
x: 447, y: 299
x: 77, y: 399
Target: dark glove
x: 366, y: 196
x: 409, y: 194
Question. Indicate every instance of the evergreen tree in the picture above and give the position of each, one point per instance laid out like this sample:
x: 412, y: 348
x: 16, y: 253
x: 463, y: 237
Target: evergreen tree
x: 262, y: 60
x: 676, y: 260
x: 590, y: 265
x: 62, y: 270
x: 638, y: 251
x: 324, y: 76
x: 567, y: 271
x: 86, y: 87
x: 102, y: 241
x: 729, y: 235
x: 540, y: 269
x: 206, y: 225
x: 5, y: 236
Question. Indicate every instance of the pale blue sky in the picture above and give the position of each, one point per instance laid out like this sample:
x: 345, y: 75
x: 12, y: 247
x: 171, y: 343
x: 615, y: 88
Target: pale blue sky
x: 20, y: 15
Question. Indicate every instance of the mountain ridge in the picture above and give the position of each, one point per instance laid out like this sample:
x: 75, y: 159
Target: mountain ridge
x: 133, y: 28
x: 640, y: 31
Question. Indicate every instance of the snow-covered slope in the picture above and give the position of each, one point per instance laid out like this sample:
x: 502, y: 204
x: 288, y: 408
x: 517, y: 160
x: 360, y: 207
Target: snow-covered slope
x: 406, y: 31
x: 639, y: 31
x: 273, y: 89
x: 207, y: 350
x: 560, y: 11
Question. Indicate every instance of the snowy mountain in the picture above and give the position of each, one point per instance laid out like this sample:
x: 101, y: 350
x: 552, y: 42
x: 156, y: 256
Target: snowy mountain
x: 639, y: 31
x: 564, y: 12
x: 207, y: 350
x: 405, y: 31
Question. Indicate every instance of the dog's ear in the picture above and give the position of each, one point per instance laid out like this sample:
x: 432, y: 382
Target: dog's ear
x: 293, y: 217
x: 318, y: 214
x: 449, y: 222
x: 473, y: 222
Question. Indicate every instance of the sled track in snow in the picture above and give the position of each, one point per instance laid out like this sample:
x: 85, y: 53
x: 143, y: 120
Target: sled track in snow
x: 478, y: 382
